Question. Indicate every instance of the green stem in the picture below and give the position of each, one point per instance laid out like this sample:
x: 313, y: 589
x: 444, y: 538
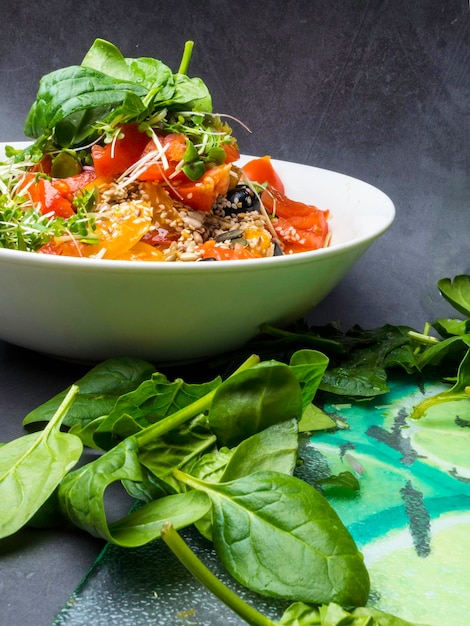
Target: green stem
x: 195, y: 566
x: 422, y: 337
x: 187, y: 53
x: 63, y: 408
x: 174, y: 420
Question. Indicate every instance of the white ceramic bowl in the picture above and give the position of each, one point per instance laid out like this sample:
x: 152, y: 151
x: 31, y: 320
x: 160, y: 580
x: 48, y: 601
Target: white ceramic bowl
x: 89, y: 310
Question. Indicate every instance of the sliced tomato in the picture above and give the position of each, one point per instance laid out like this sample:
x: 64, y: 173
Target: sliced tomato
x: 174, y: 146
x: 300, y: 227
x: 202, y: 194
x: 44, y: 165
x: 232, y: 153
x: 298, y: 239
x: 55, y: 195
x: 211, y: 251
x: 116, y: 157
x: 262, y: 171
x: 79, y: 181
x: 68, y: 248
x: 48, y: 196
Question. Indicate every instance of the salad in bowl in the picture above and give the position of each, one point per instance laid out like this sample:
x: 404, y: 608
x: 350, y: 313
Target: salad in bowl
x: 129, y: 162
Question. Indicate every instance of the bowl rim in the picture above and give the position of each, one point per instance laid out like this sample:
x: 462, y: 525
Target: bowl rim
x: 388, y: 216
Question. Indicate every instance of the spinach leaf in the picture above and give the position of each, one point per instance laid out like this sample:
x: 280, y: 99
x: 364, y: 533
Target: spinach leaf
x: 309, y: 367
x: 175, y: 450
x: 72, y: 99
x: 459, y: 391
x: 275, y: 448
x: 363, y: 371
x: 254, y: 399
x: 301, y: 614
x: 81, y: 492
x: 452, y: 348
x: 110, y: 89
x: 449, y: 327
x: 151, y: 401
x: 277, y: 535
x: 314, y: 418
x: 99, y: 390
x: 145, y: 524
x: 32, y: 466
x: 457, y: 292
x: 105, y: 57
x: 81, y: 497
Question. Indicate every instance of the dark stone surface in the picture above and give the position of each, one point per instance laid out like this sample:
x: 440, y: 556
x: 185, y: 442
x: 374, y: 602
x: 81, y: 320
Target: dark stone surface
x: 375, y: 89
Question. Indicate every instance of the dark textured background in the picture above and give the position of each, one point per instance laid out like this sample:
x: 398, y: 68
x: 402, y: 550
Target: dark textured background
x: 375, y: 89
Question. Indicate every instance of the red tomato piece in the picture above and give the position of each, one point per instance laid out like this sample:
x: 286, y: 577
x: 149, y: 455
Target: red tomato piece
x: 68, y: 248
x: 262, y: 171
x: 44, y: 165
x: 232, y: 153
x: 174, y: 145
x: 79, y: 181
x: 300, y: 226
x: 48, y: 196
x: 202, y: 194
x: 211, y: 251
x: 116, y: 157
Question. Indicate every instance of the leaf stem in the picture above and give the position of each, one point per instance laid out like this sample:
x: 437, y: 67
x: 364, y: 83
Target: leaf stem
x: 197, y: 568
x: 183, y: 415
x: 62, y: 410
x: 187, y: 53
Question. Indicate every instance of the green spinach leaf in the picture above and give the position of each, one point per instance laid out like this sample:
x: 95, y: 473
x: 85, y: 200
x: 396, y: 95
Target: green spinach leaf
x: 459, y: 391
x: 254, y: 399
x: 457, y: 292
x: 32, y: 466
x: 277, y: 535
x: 309, y: 367
x: 153, y: 400
x: 99, y: 390
x: 300, y: 614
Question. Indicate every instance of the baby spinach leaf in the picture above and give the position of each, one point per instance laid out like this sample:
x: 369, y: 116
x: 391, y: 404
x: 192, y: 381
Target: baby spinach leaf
x: 448, y: 327
x: 149, y: 488
x: 211, y: 465
x: 151, y: 401
x: 459, y: 391
x: 363, y: 372
x: 254, y: 399
x: 99, y: 390
x: 277, y: 535
x: 274, y: 448
x: 447, y: 349
x: 109, y: 88
x: 32, y: 466
x: 457, y: 292
x: 145, y: 523
x: 313, y: 418
x: 174, y: 450
x: 105, y: 57
x: 70, y: 100
x: 81, y: 497
x: 81, y: 492
x: 309, y: 366
x: 344, y: 481
x: 301, y: 614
